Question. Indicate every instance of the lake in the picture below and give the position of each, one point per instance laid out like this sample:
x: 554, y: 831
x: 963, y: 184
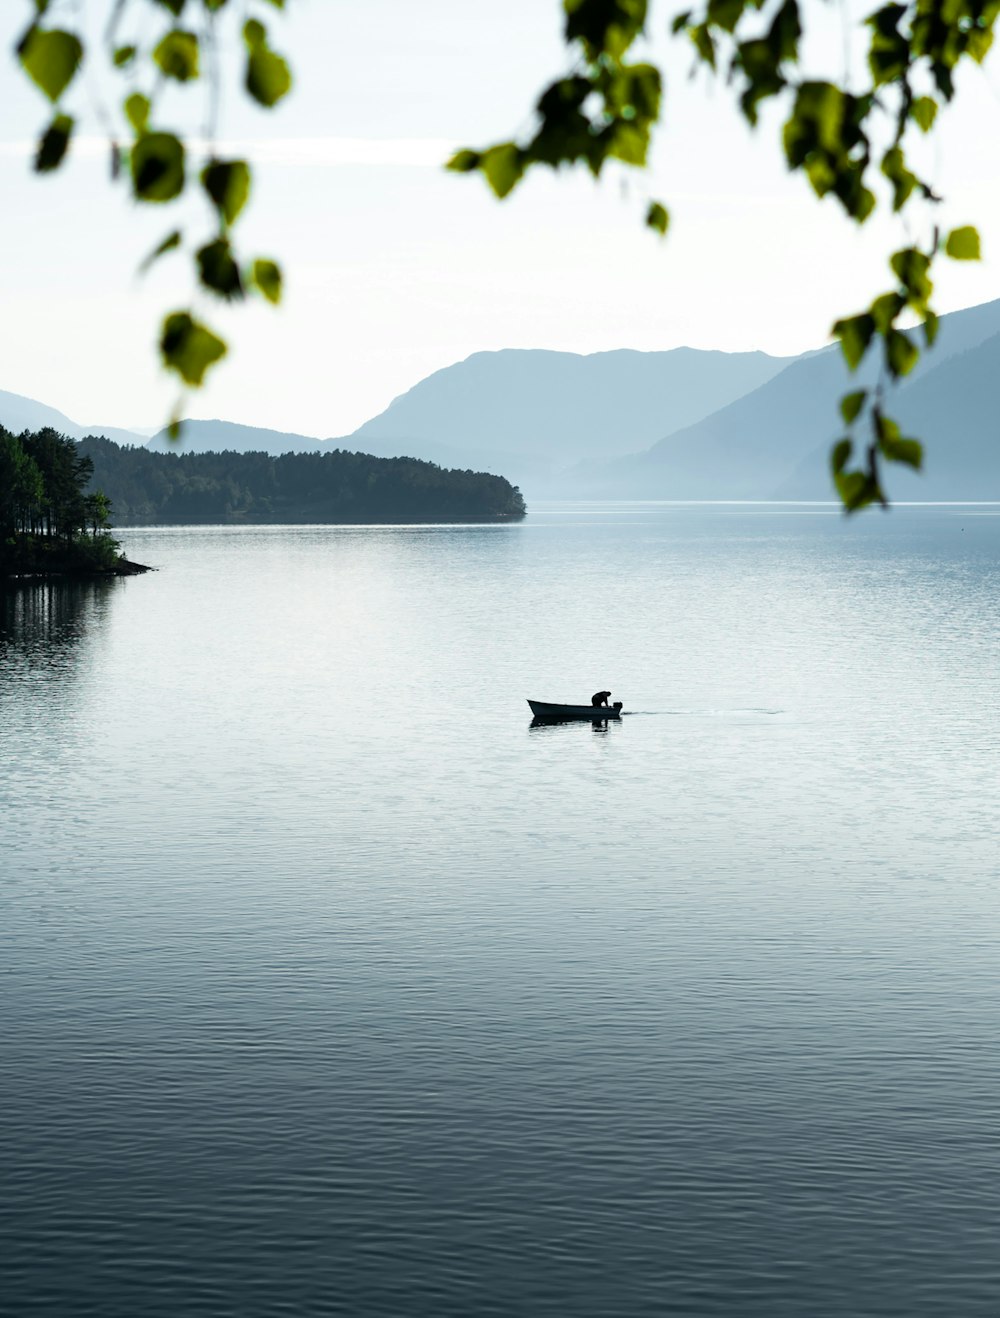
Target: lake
x: 332, y: 986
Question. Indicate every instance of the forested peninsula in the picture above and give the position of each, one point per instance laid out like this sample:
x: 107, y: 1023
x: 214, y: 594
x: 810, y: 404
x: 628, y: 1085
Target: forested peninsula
x: 146, y: 488
x: 53, y: 520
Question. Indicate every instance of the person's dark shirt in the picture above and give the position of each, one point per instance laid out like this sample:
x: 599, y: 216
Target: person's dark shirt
x: 600, y: 698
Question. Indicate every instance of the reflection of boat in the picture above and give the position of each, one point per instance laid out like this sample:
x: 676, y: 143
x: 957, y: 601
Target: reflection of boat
x: 542, y: 709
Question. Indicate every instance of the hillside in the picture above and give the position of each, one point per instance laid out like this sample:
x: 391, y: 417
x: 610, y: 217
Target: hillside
x: 773, y: 443
x: 231, y: 437
x: 528, y: 414
x: 532, y: 413
x: 683, y: 424
x: 147, y: 488
x: 18, y: 413
x: 953, y: 408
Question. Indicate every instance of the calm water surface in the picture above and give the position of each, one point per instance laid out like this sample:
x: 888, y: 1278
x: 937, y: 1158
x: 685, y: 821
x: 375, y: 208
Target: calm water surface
x: 330, y: 986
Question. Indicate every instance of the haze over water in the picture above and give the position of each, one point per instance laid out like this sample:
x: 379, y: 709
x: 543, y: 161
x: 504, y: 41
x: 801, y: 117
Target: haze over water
x: 332, y: 986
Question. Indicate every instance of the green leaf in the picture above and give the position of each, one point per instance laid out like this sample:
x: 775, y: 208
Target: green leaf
x: 604, y: 27
x: 923, y: 111
x: 932, y: 323
x: 124, y: 55
x: 853, y: 488
x: 902, y: 179
x: 857, y: 489
x: 227, y: 182
x: 840, y: 456
x: 725, y: 13
x: 464, y: 162
x: 268, y: 78
x: 54, y: 144
x: 889, y: 52
x: 189, y: 348
x: 901, y: 353
x: 624, y: 141
x: 908, y: 451
x: 50, y: 59
x: 825, y: 136
x: 703, y: 43
x: 137, y: 109
x: 502, y: 166
x: 980, y: 42
x: 885, y: 309
x: 851, y: 405
x: 218, y: 271
x: 157, y: 161
x: 658, y: 217
x: 786, y: 31
x: 680, y: 22
x: 171, y: 241
x: 266, y: 276
x: 911, y: 267
x: 858, y: 202
x: 963, y: 244
x: 177, y: 55
x: 886, y: 430
x: 855, y: 334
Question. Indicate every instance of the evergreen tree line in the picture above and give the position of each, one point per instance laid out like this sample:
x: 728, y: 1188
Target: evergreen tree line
x: 148, y: 488
x: 52, y: 517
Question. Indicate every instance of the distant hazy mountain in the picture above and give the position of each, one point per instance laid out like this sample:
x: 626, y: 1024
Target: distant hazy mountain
x: 228, y: 436
x: 737, y: 425
x: 529, y: 413
x: 18, y: 413
x: 774, y: 441
x: 223, y: 436
x: 952, y: 407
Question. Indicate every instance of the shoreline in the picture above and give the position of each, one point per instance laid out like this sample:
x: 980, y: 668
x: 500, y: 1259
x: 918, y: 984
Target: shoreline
x: 124, y: 568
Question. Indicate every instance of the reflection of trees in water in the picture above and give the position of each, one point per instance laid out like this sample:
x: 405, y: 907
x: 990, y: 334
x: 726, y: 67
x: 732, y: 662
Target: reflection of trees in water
x: 39, y: 621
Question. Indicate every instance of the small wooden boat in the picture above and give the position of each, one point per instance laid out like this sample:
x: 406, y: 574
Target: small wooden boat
x: 542, y: 709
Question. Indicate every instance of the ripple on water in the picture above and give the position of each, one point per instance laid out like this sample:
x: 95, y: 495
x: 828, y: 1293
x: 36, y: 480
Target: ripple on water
x: 333, y: 987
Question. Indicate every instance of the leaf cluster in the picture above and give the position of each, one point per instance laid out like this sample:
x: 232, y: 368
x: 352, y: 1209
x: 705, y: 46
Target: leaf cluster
x: 603, y: 110
x: 844, y: 141
x: 153, y: 157
x: 862, y: 485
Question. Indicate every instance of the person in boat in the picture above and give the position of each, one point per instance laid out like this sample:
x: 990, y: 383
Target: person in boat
x: 600, y: 698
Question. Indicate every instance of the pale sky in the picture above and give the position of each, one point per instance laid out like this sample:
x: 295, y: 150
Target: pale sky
x: 395, y: 268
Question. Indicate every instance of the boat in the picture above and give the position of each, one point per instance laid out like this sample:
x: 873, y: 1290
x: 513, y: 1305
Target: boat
x: 545, y: 710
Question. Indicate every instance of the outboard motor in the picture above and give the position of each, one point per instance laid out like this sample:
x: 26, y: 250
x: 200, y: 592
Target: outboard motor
x: 617, y: 706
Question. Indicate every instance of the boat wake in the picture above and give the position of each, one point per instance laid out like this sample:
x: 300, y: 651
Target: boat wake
x: 699, y: 713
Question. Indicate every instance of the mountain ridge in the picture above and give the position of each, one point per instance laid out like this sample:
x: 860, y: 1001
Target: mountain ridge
x: 571, y: 425
x: 537, y: 411
x: 19, y: 412
x: 760, y: 446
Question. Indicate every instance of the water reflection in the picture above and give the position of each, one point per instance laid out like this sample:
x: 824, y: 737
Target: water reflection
x: 45, y: 615
x: 47, y: 635
x: 602, y: 725
x: 314, y: 1011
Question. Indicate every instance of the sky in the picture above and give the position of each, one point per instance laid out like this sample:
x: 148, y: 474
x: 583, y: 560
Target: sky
x: 395, y: 268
